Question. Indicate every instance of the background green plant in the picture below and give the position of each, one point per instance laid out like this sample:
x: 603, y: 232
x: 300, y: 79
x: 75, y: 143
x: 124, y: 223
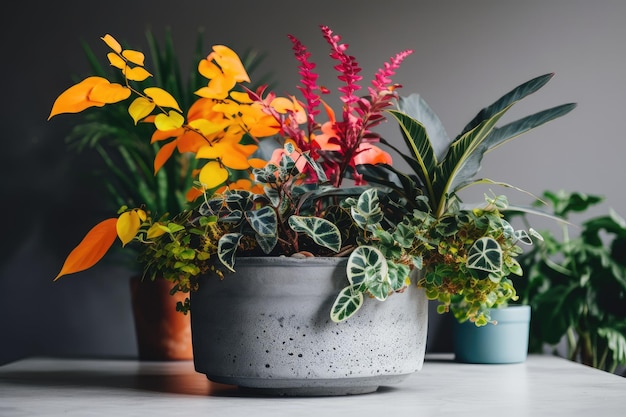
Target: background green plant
x: 576, y: 286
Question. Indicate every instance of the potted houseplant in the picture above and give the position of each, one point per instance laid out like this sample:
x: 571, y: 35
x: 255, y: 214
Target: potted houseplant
x: 575, y: 283
x: 385, y: 232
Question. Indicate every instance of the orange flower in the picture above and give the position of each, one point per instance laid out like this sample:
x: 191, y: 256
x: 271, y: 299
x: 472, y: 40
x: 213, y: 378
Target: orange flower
x: 371, y: 154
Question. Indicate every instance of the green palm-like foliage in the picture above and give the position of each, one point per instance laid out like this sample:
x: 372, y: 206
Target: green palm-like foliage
x: 442, y: 166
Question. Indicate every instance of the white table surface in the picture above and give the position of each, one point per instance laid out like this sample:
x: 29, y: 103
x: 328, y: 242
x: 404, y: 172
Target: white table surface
x: 542, y: 386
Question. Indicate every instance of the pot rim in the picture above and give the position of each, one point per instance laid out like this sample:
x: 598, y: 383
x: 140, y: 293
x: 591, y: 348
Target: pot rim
x: 288, y: 260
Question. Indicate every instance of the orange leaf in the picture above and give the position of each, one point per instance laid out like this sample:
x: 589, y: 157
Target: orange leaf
x: 193, y: 194
x: 163, y: 155
x: 160, y: 135
x: 135, y: 57
x: 76, y: 98
x: 91, y: 249
x: 109, y: 93
x: 136, y: 74
x: 116, y: 61
x: 112, y: 43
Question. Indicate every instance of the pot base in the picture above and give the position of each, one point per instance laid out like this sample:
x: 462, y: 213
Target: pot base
x: 310, y: 387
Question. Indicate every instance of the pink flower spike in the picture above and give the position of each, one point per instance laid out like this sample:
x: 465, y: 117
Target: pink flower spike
x: 382, y: 81
x: 348, y: 66
x: 308, y: 81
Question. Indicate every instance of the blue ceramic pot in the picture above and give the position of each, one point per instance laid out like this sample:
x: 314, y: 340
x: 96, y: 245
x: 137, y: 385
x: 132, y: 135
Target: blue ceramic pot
x: 504, y: 342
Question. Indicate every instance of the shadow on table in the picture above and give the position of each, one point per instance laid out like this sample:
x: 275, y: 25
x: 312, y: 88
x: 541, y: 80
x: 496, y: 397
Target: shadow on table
x: 169, y: 378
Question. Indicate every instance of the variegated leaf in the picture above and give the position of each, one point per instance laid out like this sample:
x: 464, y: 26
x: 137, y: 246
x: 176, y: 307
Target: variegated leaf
x: 346, y: 304
x: 485, y: 255
x: 263, y: 221
x: 323, y: 232
x: 227, y: 249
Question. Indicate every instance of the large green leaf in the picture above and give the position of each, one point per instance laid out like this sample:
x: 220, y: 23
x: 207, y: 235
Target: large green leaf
x: 416, y: 107
x: 506, y: 100
x: 453, y: 170
x: 501, y: 135
x: 424, y: 160
x: 509, y: 131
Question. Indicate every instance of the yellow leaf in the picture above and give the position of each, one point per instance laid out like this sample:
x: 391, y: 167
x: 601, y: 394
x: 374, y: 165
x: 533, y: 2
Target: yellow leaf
x: 91, y: 249
x: 155, y: 230
x: 112, y: 43
x: 116, y: 61
x: 230, y: 63
x: 207, y: 127
x: 135, y: 57
x: 162, y: 98
x: 240, y: 97
x: 136, y: 74
x: 140, y: 108
x: 142, y: 215
x: 282, y: 104
x: 127, y: 226
x: 212, y: 175
x: 170, y: 121
x: 76, y: 98
x: 109, y: 93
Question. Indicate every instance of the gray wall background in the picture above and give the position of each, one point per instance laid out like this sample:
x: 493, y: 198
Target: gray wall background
x: 467, y: 54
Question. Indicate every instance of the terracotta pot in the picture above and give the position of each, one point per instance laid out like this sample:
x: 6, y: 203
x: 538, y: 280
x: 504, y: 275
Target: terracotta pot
x: 162, y: 332
x: 267, y: 328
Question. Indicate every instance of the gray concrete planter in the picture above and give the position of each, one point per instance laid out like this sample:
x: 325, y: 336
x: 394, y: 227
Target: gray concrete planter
x: 267, y: 328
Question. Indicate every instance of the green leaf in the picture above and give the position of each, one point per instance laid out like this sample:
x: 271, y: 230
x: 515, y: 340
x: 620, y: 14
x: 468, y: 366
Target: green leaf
x: 398, y: 275
x: 349, y: 300
x: 423, y: 160
x: 323, y: 232
x: 367, y: 211
x: 404, y: 235
x: 616, y: 341
x: 263, y: 221
x: 417, y: 108
x: 485, y: 255
x: 227, y: 249
x: 505, y: 101
x: 267, y: 243
x: 461, y: 162
x: 368, y: 269
x: 319, y: 171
